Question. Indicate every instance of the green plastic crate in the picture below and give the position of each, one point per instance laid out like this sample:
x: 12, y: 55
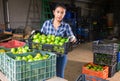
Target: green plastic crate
x: 30, y: 71
x: 2, y: 58
x: 50, y: 67
x: 2, y: 62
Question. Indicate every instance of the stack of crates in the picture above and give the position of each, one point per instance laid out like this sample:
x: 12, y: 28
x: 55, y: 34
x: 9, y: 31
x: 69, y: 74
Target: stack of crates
x: 104, y: 62
x: 106, y: 54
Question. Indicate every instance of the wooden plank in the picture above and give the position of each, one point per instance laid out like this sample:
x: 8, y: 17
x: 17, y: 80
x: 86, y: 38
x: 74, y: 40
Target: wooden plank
x: 18, y: 35
x: 7, y: 32
x: 5, y: 37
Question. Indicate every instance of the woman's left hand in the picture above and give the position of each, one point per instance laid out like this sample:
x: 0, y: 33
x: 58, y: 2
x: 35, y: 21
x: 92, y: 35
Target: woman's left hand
x: 73, y: 39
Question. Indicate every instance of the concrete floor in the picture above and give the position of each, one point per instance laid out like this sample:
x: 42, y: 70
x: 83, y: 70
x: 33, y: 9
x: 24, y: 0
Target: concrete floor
x: 77, y: 58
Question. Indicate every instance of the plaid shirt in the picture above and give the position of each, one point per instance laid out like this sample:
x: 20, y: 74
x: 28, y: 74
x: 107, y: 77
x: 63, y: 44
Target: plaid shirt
x: 63, y: 30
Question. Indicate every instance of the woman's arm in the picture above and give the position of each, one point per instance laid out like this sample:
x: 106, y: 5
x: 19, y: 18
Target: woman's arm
x: 70, y: 34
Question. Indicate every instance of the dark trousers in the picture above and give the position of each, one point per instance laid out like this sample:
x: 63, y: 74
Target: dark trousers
x: 61, y: 64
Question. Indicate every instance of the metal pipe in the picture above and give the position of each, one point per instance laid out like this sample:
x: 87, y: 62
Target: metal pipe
x: 6, y: 14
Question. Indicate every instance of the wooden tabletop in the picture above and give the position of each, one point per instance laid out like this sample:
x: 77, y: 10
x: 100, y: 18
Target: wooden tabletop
x: 57, y: 79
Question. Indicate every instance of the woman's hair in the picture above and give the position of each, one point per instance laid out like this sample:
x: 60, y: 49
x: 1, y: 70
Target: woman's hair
x: 60, y: 5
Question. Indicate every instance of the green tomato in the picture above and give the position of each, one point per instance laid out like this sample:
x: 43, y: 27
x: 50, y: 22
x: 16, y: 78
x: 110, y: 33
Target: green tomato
x: 61, y: 43
x: 51, y: 42
x: 26, y: 47
x: 13, y: 50
x: 36, y: 40
x: 35, y: 36
x: 24, y: 50
x: 29, y: 56
x: 52, y: 37
x: 41, y: 58
x: 38, y: 55
x: 49, y: 36
x: 38, y: 34
x: 18, y: 58
x: 24, y: 58
x: 35, y: 59
x: 43, y: 37
x: 56, y: 42
x: 30, y: 60
x: 58, y: 38
x: 48, y: 40
x: 62, y: 40
x: 44, y: 57
x: 43, y: 41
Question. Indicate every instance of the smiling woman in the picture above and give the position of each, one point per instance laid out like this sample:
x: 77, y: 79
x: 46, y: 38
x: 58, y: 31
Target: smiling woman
x: 59, y: 28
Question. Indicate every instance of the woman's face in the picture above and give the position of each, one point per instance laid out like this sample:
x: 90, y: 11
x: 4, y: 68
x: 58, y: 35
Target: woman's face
x: 59, y: 13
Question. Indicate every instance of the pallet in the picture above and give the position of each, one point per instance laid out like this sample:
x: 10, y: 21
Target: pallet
x: 18, y: 36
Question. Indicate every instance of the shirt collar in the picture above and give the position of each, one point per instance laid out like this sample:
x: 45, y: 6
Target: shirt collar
x: 51, y: 21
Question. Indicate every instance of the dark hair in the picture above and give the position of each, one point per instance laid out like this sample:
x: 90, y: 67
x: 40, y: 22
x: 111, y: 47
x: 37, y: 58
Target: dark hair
x: 60, y: 5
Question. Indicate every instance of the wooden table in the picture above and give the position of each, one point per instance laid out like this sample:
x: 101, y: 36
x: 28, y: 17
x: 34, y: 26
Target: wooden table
x: 56, y: 79
x: 3, y: 77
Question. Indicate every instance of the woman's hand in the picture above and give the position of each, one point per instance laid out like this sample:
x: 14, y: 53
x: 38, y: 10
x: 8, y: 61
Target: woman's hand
x: 73, y: 39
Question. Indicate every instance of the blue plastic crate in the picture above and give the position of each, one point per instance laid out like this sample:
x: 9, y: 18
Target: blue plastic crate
x: 118, y: 57
x: 83, y: 32
x: 85, y: 77
x: 30, y: 71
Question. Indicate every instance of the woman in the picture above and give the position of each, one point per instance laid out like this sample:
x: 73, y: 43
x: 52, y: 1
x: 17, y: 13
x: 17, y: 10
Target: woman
x: 57, y: 27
